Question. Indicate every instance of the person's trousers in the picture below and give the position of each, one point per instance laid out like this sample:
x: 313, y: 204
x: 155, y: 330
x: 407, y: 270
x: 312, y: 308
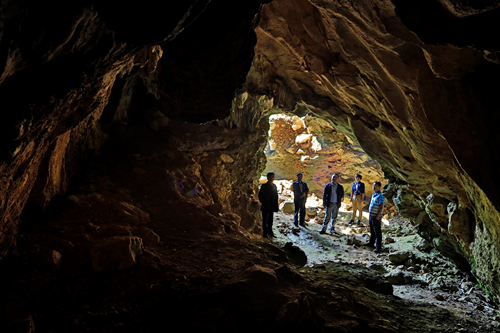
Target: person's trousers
x: 299, y: 215
x: 375, y: 232
x: 331, y: 214
x: 267, y: 222
x: 357, y: 205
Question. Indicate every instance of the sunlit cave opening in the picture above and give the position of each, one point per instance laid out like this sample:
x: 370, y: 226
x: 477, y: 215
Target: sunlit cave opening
x: 310, y: 145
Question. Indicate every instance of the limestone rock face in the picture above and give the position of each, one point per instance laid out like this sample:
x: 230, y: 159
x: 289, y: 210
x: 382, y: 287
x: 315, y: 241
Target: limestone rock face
x: 317, y: 150
x: 56, y: 78
x: 414, y: 94
x: 66, y: 85
x: 417, y: 95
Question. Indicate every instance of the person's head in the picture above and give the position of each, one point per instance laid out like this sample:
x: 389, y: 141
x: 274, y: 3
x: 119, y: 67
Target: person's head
x: 377, y: 186
x: 358, y: 177
x: 299, y: 176
x: 270, y: 177
x: 335, y: 178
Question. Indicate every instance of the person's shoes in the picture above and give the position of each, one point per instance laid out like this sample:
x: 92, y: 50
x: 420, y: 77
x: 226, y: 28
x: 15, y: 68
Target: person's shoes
x: 322, y: 232
x: 358, y: 223
x: 271, y: 235
x: 377, y: 250
x: 333, y: 232
x: 351, y: 222
x: 265, y: 236
x: 303, y: 225
x: 296, y: 225
x: 369, y: 245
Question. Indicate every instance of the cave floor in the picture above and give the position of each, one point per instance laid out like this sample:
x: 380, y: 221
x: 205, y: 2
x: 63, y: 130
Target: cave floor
x: 435, y: 279
x: 206, y: 273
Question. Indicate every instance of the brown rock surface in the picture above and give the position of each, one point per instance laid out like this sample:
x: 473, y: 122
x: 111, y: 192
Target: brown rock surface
x: 413, y: 83
x: 317, y: 150
x: 406, y: 97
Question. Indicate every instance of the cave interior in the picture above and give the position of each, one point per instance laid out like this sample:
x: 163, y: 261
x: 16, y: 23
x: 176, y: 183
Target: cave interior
x: 133, y: 138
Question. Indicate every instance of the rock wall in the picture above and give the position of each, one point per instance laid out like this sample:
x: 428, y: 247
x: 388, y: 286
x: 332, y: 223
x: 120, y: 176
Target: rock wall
x: 413, y: 83
x: 413, y: 93
x: 312, y: 146
x: 64, y: 65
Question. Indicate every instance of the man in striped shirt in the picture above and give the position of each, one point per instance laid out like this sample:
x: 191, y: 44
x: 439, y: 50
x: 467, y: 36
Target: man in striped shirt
x: 376, y: 211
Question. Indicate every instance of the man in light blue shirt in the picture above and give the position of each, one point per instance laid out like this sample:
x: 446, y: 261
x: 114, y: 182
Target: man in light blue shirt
x: 376, y: 211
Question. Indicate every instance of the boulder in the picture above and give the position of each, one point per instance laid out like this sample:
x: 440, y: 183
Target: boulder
x: 226, y: 158
x: 287, y: 207
x: 260, y: 276
x: 160, y: 121
x: 292, y: 149
x: 399, y: 257
x: 302, y: 138
x: 295, y: 312
x: 272, y: 144
x: 52, y: 259
x: 423, y: 245
x: 116, y: 253
x: 352, y: 240
x: 376, y: 267
x: 115, y: 230
x: 148, y: 236
x: 388, y: 240
x: 214, y: 209
x: 297, y: 123
x: 311, y: 211
x: 295, y: 254
x: 398, y: 277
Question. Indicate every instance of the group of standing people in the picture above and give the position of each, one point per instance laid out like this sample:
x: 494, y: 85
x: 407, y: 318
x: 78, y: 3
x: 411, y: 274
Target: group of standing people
x: 333, y: 193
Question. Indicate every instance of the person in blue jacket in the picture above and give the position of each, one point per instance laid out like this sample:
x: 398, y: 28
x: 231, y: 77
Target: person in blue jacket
x: 300, y: 191
x: 333, y: 193
x: 357, y: 198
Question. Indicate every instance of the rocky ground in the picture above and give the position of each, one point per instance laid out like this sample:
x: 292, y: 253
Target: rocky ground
x: 127, y: 251
x: 414, y: 268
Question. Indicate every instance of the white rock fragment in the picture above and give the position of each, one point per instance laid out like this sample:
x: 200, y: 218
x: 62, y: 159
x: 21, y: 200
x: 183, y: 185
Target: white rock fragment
x: 297, y: 123
x: 303, y: 138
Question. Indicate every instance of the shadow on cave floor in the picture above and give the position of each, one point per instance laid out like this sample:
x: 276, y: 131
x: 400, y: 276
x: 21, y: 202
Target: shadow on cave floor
x: 201, y: 272
x: 412, y: 266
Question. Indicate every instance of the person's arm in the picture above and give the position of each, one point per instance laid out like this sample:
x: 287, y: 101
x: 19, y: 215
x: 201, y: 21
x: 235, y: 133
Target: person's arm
x: 264, y: 193
x: 276, y: 199
x: 352, y: 192
x: 340, y: 197
x: 306, y: 190
x: 380, y: 209
x: 324, y: 195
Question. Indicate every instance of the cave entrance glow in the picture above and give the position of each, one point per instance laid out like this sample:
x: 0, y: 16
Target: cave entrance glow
x: 312, y: 146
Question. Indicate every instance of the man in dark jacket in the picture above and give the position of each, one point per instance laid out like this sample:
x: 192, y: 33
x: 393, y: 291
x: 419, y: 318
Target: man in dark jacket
x: 333, y: 194
x: 300, y: 191
x: 268, y: 197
